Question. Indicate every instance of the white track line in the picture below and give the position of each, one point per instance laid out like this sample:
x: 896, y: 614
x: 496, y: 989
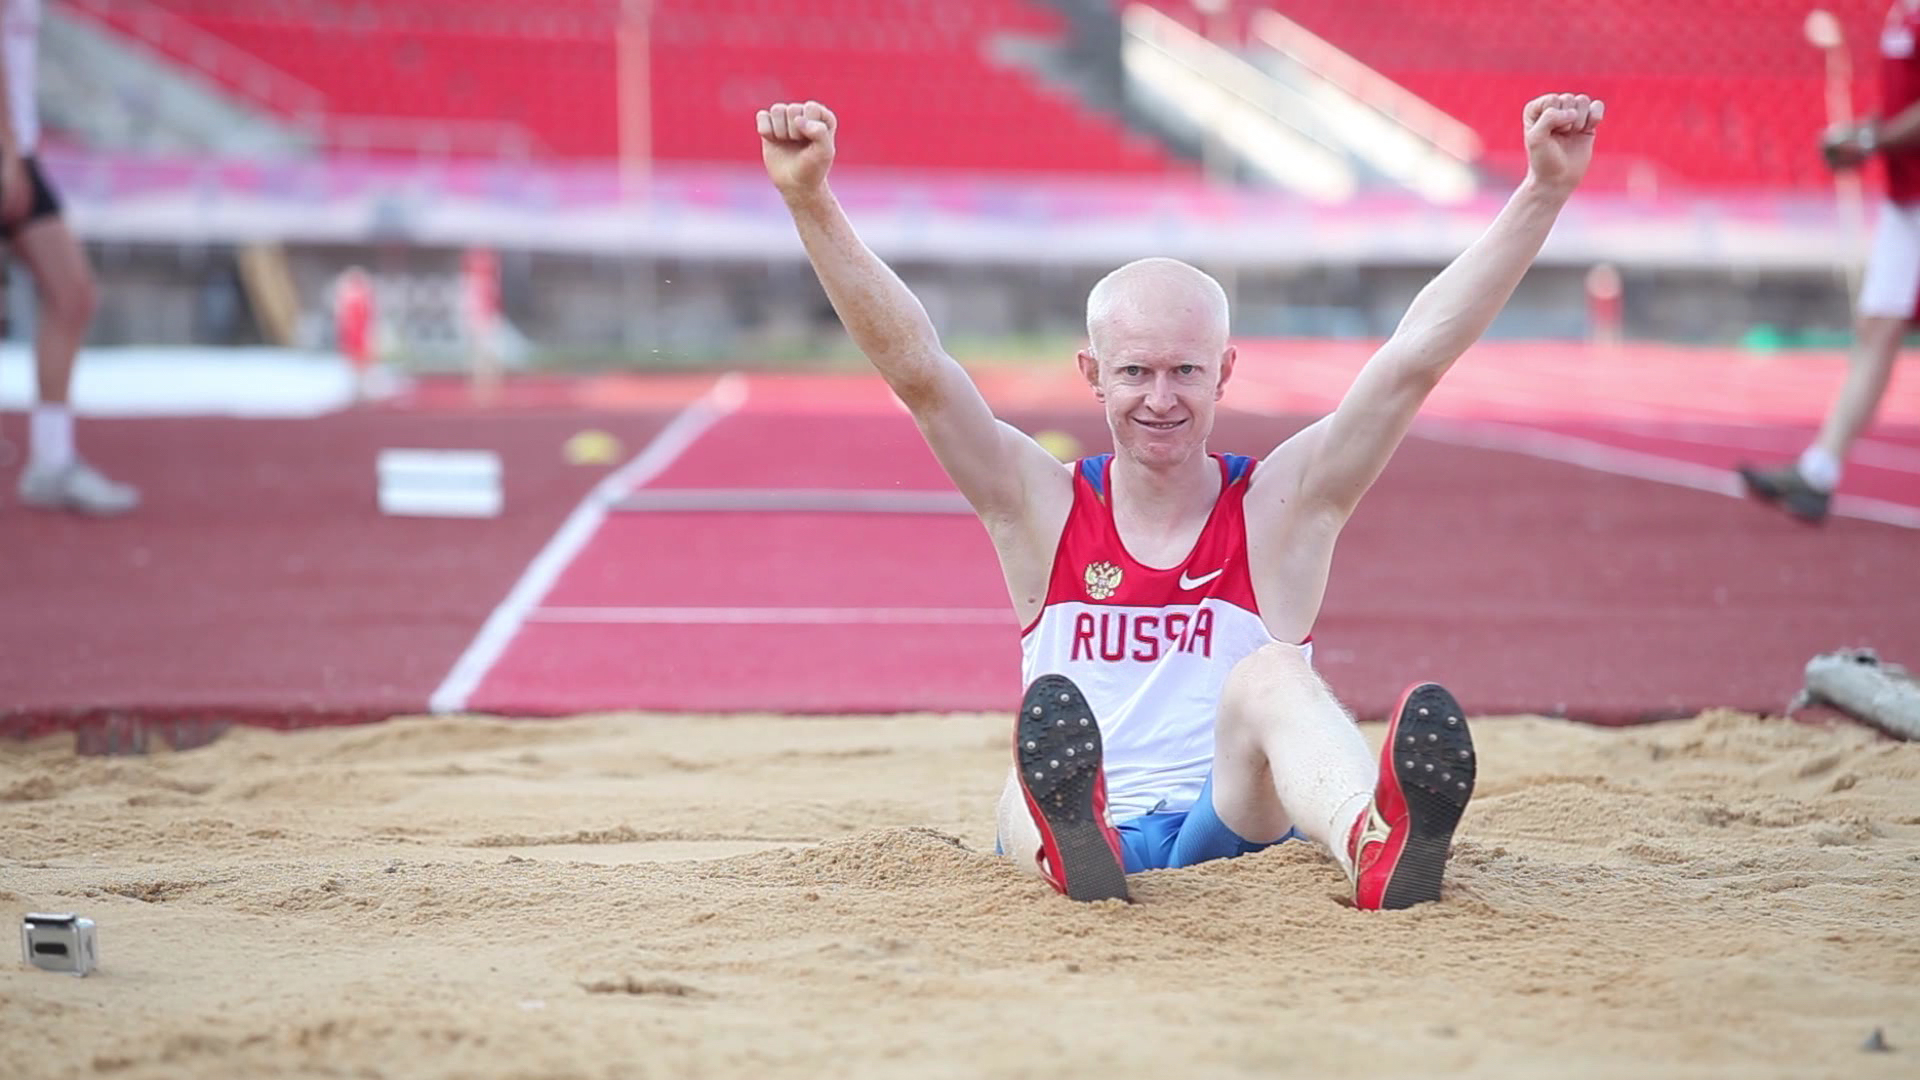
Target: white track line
x: 1772, y: 440
x: 767, y: 616
x: 726, y: 396
x: 1885, y: 455
x: 1553, y: 446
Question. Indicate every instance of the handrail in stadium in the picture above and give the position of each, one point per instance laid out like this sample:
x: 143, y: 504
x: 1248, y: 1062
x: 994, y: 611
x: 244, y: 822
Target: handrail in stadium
x: 224, y: 61
x: 1233, y: 102
x: 1330, y: 62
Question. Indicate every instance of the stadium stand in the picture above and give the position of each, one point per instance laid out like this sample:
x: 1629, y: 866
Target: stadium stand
x: 1715, y: 93
x: 1710, y: 94
x: 919, y: 79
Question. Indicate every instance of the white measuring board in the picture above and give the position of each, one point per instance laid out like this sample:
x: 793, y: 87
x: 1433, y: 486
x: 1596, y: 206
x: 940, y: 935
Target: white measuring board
x: 440, y: 483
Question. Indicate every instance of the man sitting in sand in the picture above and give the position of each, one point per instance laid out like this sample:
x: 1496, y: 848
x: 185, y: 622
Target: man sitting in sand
x: 1172, y: 714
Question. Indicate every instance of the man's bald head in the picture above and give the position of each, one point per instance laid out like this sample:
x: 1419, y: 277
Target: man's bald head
x: 1161, y: 294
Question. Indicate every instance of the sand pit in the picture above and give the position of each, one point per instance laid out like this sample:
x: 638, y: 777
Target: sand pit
x: 775, y: 897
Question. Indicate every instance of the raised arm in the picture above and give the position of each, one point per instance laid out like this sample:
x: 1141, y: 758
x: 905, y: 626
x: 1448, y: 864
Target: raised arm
x: 1342, y: 455
x: 994, y: 465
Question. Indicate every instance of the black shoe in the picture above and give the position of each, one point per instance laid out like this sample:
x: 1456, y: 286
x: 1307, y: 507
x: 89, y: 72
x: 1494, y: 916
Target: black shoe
x: 1784, y: 485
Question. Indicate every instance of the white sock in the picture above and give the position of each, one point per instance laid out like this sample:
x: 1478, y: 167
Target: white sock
x: 1819, y: 469
x: 1342, y: 825
x: 50, y: 437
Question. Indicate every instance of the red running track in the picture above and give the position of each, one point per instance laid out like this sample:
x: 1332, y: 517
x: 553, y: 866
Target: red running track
x: 819, y: 606
x: 260, y: 585
x: 1527, y: 584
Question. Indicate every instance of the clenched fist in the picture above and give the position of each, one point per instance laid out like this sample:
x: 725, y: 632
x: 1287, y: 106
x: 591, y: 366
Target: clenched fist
x: 1560, y: 131
x: 796, y: 143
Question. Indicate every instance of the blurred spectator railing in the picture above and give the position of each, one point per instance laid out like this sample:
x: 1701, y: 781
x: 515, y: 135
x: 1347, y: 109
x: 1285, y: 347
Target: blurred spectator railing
x: 731, y: 212
x: 502, y: 139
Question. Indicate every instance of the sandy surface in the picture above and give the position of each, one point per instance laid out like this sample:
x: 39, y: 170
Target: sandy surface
x: 768, y: 897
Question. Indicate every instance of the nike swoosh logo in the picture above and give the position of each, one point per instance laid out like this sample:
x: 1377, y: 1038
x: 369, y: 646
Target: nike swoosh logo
x: 1194, y: 583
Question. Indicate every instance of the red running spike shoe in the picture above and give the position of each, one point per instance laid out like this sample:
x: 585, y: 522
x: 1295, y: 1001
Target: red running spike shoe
x: 1399, y: 846
x: 1056, y: 745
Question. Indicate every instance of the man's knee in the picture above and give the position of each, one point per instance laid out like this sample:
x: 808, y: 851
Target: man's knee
x: 1269, y: 671
x: 1275, y: 660
x: 1269, y: 691
x: 72, y: 301
x: 62, y: 277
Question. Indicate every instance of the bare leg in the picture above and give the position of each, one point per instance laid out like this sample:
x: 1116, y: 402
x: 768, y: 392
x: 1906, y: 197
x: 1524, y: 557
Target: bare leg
x: 1869, y: 370
x: 1287, y: 754
x: 1804, y: 488
x: 67, y: 295
x: 1388, y: 823
x: 55, y: 477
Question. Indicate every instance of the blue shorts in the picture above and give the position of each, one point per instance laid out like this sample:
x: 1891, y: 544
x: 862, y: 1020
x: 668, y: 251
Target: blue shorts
x: 1163, y: 841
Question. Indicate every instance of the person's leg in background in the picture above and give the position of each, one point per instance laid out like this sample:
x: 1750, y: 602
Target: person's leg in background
x: 56, y: 477
x: 1804, y: 488
x: 1869, y: 371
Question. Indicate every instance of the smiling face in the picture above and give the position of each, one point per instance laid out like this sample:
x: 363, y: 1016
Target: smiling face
x: 1158, y: 358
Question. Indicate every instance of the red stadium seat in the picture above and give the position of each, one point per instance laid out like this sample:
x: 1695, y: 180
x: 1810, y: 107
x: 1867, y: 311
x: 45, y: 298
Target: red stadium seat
x: 1709, y: 93
x: 916, y: 76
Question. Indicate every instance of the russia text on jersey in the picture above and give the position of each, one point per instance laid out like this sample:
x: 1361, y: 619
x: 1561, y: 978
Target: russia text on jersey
x: 1142, y: 635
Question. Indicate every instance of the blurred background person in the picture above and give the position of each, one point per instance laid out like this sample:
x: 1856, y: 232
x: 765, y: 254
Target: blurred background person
x: 1890, y: 289
x: 37, y: 237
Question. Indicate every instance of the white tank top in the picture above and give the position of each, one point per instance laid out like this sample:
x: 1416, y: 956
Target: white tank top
x: 1150, y: 648
x: 22, y: 54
